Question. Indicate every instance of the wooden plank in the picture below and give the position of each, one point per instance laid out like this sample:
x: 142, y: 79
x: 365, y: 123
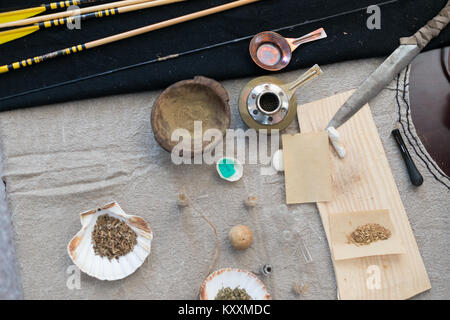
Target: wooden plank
x: 363, y: 181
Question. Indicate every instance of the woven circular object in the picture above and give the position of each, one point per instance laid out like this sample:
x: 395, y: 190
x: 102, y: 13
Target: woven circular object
x: 185, y: 102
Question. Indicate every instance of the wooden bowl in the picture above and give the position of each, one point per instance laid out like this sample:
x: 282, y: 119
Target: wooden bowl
x: 200, y: 99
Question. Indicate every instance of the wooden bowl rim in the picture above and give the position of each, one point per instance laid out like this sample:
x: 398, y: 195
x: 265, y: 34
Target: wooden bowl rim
x: 208, y: 83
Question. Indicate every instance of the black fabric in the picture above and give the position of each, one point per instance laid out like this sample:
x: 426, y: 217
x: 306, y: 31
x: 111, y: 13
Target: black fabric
x: 348, y: 38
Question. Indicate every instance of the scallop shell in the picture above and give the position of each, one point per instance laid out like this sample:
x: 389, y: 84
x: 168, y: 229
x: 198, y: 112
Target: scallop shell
x: 233, y: 278
x: 237, y: 166
x: 81, y: 249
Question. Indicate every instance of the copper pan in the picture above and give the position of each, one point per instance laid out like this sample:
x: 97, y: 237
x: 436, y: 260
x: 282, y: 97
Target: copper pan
x: 272, y: 52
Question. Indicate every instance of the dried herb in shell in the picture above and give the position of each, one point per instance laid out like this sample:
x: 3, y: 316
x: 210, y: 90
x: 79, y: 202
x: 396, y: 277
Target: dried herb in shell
x: 232, y: 294
x: 112, y: 238
x: 368, y: 233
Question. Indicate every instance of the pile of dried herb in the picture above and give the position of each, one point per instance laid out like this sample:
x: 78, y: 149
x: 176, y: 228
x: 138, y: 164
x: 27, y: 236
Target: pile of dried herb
x: 368, y: 233
x: 112, y: 238
x: 230, y: 294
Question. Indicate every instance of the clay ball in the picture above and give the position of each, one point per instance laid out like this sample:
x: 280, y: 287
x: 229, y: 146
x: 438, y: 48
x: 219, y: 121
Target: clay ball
x: 241, y: 237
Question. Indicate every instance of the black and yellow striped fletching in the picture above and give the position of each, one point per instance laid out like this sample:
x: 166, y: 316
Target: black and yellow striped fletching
x: 31, y: 12
x: 39, y: 59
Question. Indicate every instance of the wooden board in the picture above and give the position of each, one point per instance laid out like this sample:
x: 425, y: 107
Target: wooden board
x: 363, y: 181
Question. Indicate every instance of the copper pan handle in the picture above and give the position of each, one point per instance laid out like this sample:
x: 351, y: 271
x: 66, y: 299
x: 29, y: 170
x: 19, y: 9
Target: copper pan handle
x: 313, y: 36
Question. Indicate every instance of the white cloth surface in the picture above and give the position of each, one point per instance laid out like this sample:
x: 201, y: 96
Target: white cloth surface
x: 63, y: 159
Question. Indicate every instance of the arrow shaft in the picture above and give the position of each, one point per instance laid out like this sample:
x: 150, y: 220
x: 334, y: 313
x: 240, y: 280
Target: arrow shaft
x: 104, y: 13
x: 38, y: 59
x: 121, y: 36
x: 66, y: 4
x: 15, y: 15
x: 64, y: 14
x: 10, y: 35
x: 73, y: 19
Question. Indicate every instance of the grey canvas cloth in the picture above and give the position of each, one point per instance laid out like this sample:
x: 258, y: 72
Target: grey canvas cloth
x: 61, y: 160
x: 10, y: 286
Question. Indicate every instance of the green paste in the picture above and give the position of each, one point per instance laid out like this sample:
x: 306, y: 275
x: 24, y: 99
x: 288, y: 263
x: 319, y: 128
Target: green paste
x: 226, y: 168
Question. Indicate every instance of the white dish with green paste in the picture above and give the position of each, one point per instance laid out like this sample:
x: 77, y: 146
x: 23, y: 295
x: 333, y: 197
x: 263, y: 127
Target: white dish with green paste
x: 230, y: 169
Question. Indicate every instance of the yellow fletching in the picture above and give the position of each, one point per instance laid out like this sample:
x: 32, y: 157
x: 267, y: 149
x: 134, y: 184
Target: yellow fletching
x: 20, y: 14
x: 10, y: 35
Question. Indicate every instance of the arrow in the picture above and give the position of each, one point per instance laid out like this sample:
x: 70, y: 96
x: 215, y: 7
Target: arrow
x: 121, y: 36
x: 10, y: 35
x: 31, y: 12
x: 69, y: 13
